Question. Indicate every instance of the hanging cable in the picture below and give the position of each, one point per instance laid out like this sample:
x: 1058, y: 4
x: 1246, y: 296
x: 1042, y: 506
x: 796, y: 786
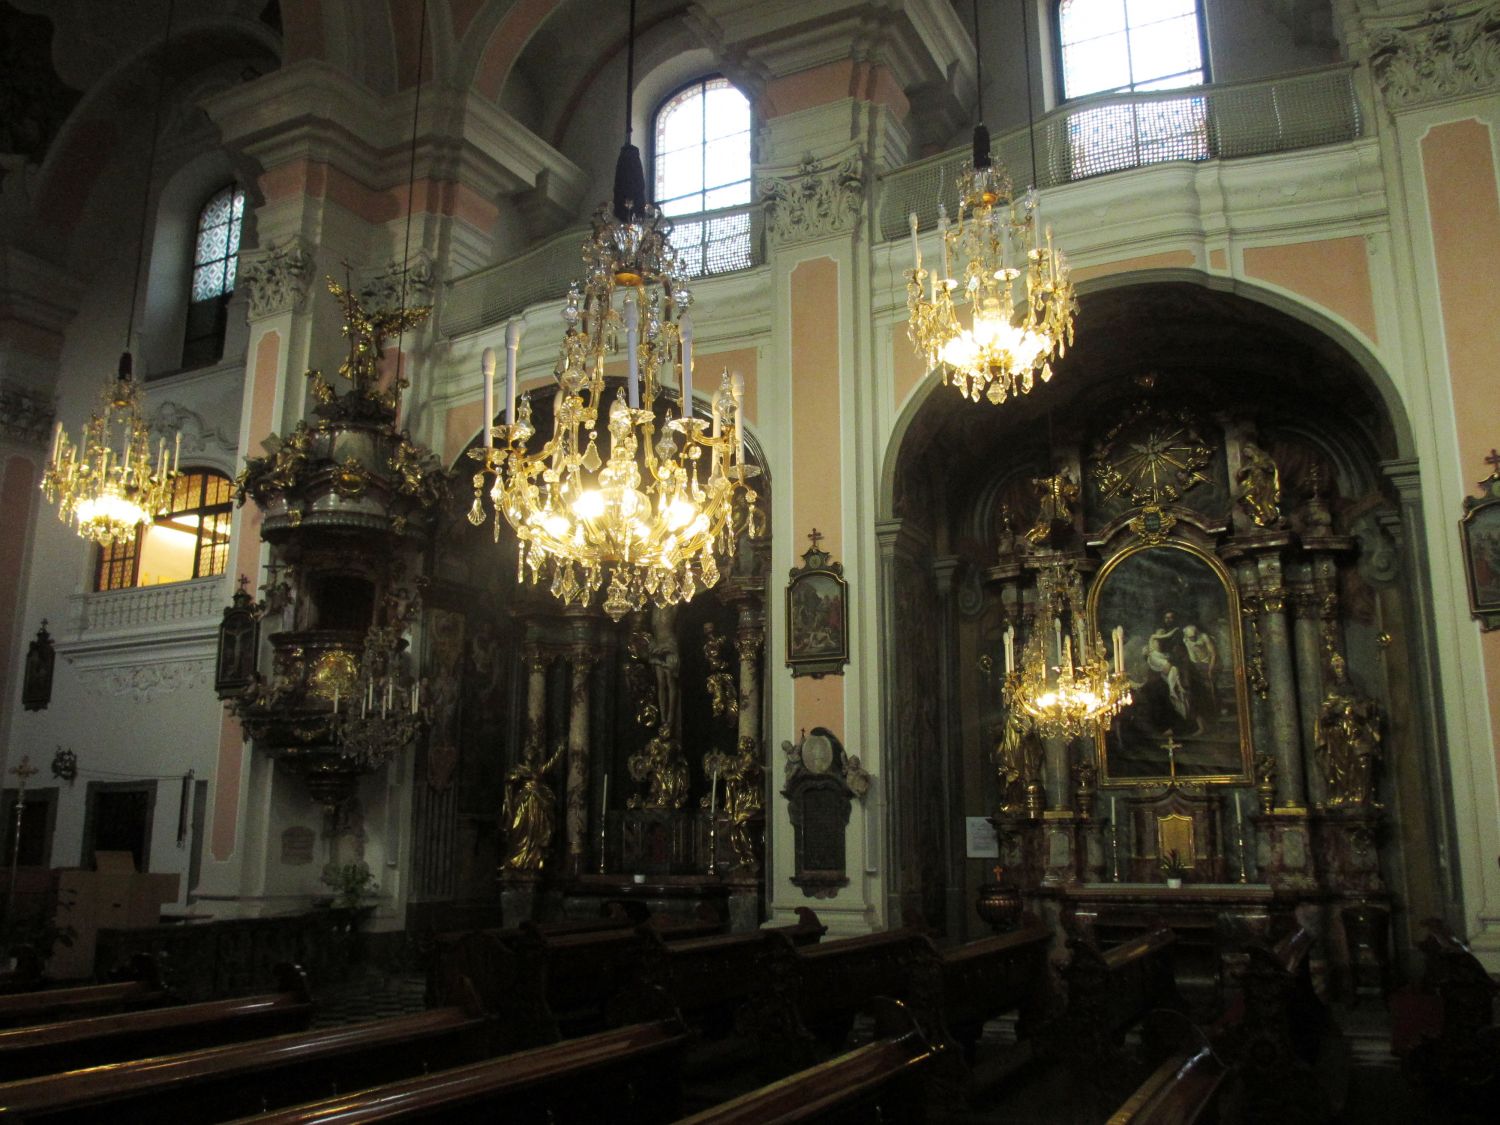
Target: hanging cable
x: 140, y: 235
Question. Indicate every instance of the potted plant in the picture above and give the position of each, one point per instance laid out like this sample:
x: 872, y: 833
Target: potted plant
x: 352, y: 883
x: 1173, y: 868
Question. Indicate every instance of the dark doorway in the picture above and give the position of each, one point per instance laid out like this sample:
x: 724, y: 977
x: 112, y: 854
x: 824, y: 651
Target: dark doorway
x: 118, y: 819
x: 36, y: 828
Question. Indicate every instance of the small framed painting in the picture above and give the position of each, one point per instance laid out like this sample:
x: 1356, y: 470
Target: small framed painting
x: 817, y: 615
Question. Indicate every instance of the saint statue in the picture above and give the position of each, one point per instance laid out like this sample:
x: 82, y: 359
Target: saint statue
x: 530, y: 811
x: 1018, y: 760
x: 1347, y: 741
x: 1260, y: 485
x: 1057, y: 493
x: 743, y: 800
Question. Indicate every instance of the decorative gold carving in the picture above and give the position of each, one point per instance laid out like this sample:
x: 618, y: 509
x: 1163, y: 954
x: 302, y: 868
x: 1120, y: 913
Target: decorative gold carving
x: 1265, y: 781
x: 1260, y: 486
x: 334, y: 671
x: 660, y: 764
x: 1347, y: 741
x: 1153, y: 525
x: 1255, y: 665
x: 723, y: 696
x: 1018, y: 761
x: 349, y: 478
x: 743, y: 800
x: 530, y: 810
x: 1175, y: 835
x: 1058, y: 493
x: 1151, y: 455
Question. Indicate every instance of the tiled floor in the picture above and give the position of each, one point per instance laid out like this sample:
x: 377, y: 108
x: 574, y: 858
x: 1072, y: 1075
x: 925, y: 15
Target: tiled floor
x: 369, y: 997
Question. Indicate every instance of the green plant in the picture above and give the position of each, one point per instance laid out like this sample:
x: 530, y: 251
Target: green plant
x: 1172, y: 866
x: 352, y: 883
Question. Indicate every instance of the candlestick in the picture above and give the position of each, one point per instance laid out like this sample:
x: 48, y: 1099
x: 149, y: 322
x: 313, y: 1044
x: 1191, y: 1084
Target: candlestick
x: 1239, y: 813
x: 487, y: 365
x: 737, y: 392
x: 942, y: 241
x: 632, y: 357
x: 1010, y: 649
x: 177, y: 452
x: 603, y: 822
x: 916, y: 247
x: 512, y: 348
x: 685, y: 326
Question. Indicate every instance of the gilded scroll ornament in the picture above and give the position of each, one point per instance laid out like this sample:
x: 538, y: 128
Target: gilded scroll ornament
x: 723, y: 695
x: 1260, y: 486
x: 1347, y: 741
x: 530, y: 810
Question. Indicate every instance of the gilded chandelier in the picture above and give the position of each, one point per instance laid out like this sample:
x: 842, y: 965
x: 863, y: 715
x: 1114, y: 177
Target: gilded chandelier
x: 994, y: 324
x: 653, y: 505
x: 110, y: 483
x: 1064, y: 684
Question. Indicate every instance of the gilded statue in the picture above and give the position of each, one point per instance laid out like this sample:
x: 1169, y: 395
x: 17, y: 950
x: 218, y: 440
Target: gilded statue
x: 640, y: 680
x: 743, y: 800
x: 1018, y: 760
x: 1057, y: 493
x: 1347, y: 741
x: 1260, y: 485
x: 666, y: 661
x: 530, y: 811
x: 723, y: 695
x: 664, y: 768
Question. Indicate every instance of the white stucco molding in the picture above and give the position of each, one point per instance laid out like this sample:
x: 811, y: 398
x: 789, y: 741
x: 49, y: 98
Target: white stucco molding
x: 816, y: 199
x: 1433, y: 56
x: 278, y: 277
x: 145, y: 642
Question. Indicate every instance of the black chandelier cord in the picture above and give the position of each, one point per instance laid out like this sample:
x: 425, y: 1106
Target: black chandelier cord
x: 981, y: 155
x: 629, y: 199
x: 1030, y: 109
x: 630, y: 75
x: 140, y: 239
x: 411, y: 187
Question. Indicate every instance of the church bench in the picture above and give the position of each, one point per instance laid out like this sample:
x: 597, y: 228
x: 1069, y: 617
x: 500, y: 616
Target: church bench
x: 93, y: 1041
x: 1181, y: 1091
x: 880, y: 1081
x: 954, y: 992
x: 704, y: 979
x: 1452, y: 1045
x: 627, y: 1076
x: 142, y: 988
x: 807, y: 998
x: 212, y: 1083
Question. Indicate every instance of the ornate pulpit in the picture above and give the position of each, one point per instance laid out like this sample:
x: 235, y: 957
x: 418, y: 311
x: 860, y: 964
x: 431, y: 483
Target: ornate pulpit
x: 1180, y: 820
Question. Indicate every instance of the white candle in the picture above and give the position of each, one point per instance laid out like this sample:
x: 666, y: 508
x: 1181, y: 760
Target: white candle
x: 632, y: 359
x: 943, y: 237
x: 737, y: 392
x: 1057, y: 639
x: 1239, y: 813
x: 713, y: 794
x: 604, y: 801
x: 1119, y: 640
x: 1010, y: 649
x: 487, y: 365
x: 1113, y: 816
x: 56, y: 439
x: 1067, y: 660
x: 512, y: 349
x: 335, y: 697
x: 685, y: 326
x: 916, y: 247
x: 177, y: 452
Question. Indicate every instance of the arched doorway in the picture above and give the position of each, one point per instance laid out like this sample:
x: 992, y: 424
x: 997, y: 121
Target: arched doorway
x: 1176, y: 391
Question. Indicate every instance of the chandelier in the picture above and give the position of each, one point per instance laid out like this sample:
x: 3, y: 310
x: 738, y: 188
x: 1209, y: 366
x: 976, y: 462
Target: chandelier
x: 109, y: 484
x: 387, y: 714
x: 653, y: 505
x: 996, y: 322
x: 1063, y: 682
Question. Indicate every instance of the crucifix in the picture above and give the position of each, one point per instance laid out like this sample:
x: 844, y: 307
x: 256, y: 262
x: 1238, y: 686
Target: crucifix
x: 1171, y: 746
x: 815, y: 536
x: 1493, y: 461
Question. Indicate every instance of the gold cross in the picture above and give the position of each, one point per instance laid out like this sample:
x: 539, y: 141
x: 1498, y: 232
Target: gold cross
x: 815, y: 536
x: 24, y: 769
x: 1171, y: 745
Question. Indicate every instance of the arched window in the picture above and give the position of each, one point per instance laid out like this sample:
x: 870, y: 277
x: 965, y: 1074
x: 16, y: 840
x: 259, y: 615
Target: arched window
x: 702, y: 163
x: 216, y: 252
x: 189, y: 541
x: 1125, y: 47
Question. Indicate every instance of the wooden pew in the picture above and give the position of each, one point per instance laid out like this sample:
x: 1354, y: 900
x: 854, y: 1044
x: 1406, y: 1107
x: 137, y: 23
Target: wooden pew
x: 806, y: 999
x: 954, y: 992
x: 140, y: 986
x: 627, y: 1076
x: 74, y: 1044
x: 243, y: 1078
x: 706, y: 980
x: 1459, y: 1057
x: 881, y: 1081
x: 1181, y: 1091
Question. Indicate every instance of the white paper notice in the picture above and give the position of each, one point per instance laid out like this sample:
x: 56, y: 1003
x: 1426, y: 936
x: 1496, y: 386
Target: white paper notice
x: 982, y: 842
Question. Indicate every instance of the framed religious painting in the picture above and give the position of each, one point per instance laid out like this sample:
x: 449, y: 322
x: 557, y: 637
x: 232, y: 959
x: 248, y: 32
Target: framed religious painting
x: 1480, y: 529
x: 817, y: 615
x: 1189, y: 715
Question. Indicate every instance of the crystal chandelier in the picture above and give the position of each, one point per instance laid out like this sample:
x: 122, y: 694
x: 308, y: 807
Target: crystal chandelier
x: 996, y: 322
x: 658, y: 509
x: 1063, y: 683
x: 109, y: 484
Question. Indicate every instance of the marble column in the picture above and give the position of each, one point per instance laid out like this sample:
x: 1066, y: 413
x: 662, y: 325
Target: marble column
x: 749, y: 640
x: 1309, y: 677
x: 1286, y: 735
x: 537, y: 660
x: 577, y: 821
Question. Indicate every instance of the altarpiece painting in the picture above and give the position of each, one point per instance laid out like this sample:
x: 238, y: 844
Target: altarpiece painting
x: 1189, y: 715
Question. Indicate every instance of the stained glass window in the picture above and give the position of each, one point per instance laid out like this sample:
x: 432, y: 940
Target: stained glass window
x: 191, y: 540
x: 216, y: 252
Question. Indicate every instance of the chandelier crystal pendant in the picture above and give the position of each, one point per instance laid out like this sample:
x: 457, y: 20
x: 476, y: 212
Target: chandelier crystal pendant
x: 1063, y: 682
x: 999, y: 306
x: 110, y: 482
x: 653, y: 506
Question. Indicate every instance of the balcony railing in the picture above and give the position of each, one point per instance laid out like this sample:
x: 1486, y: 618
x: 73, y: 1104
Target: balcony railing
x: 709, y: 243
x: 1115, y: 132
x: 171, y: 606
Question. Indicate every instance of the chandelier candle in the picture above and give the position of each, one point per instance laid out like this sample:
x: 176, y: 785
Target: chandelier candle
x: 685, y: 329
x: 487, y: 365
x: 512, y: 348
